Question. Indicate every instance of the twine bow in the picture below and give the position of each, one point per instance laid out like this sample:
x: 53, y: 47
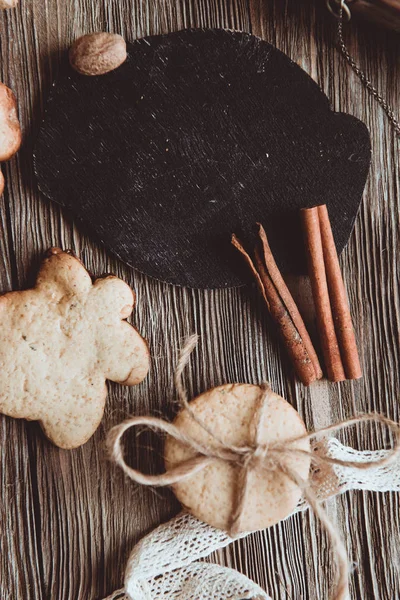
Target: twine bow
x: 247, y: 458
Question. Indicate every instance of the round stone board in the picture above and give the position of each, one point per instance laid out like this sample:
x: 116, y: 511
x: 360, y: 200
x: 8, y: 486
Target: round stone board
x: 199, y: 134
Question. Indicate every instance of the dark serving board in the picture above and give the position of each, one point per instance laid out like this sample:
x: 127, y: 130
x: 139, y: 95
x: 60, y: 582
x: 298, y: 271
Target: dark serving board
x: 199, y: 134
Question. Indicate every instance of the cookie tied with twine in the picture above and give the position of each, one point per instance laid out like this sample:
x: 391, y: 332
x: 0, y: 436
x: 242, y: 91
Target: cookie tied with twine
x: 244, y: 451
x: 249, y: 419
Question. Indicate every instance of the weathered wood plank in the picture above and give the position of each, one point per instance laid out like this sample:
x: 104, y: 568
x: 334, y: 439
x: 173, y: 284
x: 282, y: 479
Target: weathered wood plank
x: 69, y: 519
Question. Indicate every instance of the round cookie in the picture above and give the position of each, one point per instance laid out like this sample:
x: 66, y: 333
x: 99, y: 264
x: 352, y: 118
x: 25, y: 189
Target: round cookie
x: 210, y: 494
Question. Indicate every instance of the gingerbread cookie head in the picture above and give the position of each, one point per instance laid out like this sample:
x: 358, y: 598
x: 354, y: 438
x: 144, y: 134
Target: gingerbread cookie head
x: 228, y: 412
x: 60, y: 341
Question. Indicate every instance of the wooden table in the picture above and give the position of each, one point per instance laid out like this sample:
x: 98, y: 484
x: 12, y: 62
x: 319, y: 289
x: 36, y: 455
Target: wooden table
x: 69, y: 519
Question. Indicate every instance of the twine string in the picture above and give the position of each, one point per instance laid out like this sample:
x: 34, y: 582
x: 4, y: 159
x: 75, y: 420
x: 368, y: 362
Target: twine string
x: 272, y: 457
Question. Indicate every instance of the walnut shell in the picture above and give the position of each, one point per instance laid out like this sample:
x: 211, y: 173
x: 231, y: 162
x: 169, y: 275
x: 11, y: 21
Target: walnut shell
x: 10, y: 130
x: 97, y: 53
x: 8, y: 3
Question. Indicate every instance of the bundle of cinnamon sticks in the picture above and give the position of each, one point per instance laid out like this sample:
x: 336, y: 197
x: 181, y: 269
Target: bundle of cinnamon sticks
x: 331, y: 306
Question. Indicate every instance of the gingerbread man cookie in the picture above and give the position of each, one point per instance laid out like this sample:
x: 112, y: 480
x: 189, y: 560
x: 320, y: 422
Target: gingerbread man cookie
x: 60, y: 341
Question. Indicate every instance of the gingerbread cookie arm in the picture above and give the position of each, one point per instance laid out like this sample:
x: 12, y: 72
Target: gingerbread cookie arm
x: 122, y: 351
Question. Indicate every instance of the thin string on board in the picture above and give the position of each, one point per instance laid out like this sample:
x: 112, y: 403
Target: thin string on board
x: 247, y: 458
x: 344, y: 13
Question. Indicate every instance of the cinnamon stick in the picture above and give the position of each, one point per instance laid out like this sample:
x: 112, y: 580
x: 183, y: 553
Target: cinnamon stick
x: 283, y: 310
x: 338, y: 297
x: 288, y: 301
x: 331, y: 306
x: 319, y: 285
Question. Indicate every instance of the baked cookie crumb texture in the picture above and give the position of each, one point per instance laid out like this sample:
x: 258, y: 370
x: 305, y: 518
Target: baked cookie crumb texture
x: 60, y: 341
x: 210, y: 494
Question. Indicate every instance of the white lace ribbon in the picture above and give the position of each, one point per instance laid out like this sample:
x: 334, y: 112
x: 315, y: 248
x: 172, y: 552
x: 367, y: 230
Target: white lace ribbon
x: 164, y: 564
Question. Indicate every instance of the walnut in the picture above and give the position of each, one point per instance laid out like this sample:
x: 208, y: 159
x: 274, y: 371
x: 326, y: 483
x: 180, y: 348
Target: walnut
x: 97, y: 53
x: 8, y: 3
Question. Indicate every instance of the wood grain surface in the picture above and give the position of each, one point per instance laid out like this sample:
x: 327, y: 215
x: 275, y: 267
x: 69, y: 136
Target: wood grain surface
x: 69, y: 519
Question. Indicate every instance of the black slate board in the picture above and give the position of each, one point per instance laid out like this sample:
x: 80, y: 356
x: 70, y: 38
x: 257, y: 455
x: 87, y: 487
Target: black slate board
x: 199, y: 134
